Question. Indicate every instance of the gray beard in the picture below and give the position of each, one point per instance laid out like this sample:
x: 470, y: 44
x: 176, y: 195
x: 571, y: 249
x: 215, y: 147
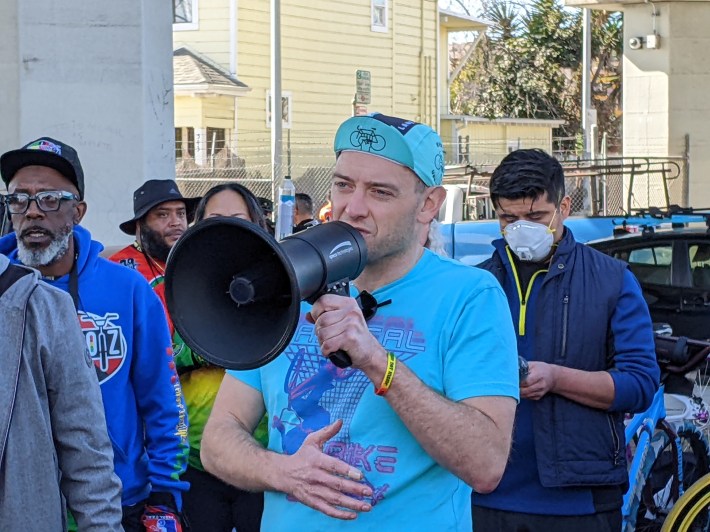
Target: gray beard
x: 35, y: 258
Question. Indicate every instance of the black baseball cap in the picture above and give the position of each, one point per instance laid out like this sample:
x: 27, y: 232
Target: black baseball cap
x: 151, y: 194
x: 47, y: 152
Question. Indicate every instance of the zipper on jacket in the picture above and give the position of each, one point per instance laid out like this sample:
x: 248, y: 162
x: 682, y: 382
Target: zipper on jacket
x: 523, y: 298
x: 565, y: 319
x: 615, y: 439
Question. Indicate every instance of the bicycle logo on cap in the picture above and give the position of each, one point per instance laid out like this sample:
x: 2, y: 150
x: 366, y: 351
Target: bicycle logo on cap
x: 367, y: 139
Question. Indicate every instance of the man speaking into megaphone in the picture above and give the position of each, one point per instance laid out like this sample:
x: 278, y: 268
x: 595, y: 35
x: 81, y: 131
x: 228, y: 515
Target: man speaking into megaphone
x: 425, y: 411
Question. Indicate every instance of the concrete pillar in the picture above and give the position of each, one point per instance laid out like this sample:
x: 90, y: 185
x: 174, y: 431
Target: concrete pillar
x: 665, y: 89
x: 97, y: 75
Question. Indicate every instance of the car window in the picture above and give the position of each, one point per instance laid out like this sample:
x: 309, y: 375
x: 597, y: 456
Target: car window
x: 651, y: 264
x: 699, y: 255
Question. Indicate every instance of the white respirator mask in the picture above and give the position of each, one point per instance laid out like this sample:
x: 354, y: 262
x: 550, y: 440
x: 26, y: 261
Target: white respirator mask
x: 530, y: 241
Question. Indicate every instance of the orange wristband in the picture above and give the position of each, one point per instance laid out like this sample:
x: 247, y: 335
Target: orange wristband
x: 389, y: 374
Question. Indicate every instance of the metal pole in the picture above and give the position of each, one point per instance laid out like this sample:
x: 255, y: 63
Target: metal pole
x: 276, y: 123
x: 586, y: 88
x: 288, y: 152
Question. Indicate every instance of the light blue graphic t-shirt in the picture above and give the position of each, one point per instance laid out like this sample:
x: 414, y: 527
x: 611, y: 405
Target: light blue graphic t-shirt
x: 450, y: 324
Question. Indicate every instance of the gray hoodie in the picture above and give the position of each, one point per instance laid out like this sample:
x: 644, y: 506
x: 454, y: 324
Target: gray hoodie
x: 54, y: 448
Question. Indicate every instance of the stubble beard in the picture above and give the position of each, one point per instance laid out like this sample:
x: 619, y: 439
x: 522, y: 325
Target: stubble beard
x: 40, y: 257
x: 396, y: 245
x: 154, y: 244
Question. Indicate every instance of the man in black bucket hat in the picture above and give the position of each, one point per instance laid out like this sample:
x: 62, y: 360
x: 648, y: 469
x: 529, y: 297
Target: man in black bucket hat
x: 160, y: 217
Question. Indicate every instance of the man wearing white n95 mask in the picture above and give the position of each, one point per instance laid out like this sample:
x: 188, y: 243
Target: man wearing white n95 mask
x: 584, y: 327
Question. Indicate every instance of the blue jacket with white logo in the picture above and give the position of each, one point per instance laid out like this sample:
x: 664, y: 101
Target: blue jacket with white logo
x: 127, y: 337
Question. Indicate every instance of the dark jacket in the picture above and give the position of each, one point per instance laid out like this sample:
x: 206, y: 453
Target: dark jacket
x: 577, y: 445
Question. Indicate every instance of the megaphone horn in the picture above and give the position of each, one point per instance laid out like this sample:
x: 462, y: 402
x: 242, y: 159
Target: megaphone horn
x: 234, y: 292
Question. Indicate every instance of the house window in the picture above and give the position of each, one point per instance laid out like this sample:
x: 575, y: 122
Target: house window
x: 184, y: 15
x: 184, y: 143
x: 285, y: 109
x: 379, y: 15
x: 215, y: 140
x: 178, y: 143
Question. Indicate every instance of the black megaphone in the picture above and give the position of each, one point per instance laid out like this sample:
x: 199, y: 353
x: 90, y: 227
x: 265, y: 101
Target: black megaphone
x: 234, y: 293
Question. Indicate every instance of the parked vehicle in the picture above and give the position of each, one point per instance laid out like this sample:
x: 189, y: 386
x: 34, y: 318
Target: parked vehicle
x: 470, y: 241
x: 669, y: 254
x: 672, y: 263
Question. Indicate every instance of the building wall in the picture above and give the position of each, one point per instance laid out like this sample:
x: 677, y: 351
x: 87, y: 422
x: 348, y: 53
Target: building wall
x: 323, y: 44
x: 213, y: 37
x: 11, y: 135
x: 97, y: 75
x: 443, y: 74
x: 214, y: 111
x: 689, y: 105
x: 188, y: 111
x: 488, y: 143
x: 665, y: 90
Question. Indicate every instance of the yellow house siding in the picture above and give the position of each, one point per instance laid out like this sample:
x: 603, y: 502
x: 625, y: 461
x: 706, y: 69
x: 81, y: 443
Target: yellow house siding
x: 444, y: 107
x: 415, y: 61
x: 212, y: 36
x: 254, y: 64
x: 531, y: 136
x: 215, y: 111
x: 323, y: 44
x: 188, y: 112
x: 489, y: 142
x: 218, y: 112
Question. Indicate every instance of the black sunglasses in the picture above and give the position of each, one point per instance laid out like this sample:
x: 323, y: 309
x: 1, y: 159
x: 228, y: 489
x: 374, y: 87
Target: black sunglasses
x: 369, y: 305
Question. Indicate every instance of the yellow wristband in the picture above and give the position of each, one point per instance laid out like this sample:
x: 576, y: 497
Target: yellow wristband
x: 389, y: 374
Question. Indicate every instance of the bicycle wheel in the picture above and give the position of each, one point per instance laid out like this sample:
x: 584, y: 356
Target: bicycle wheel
x: 690, y: 511
x: 662, y: 488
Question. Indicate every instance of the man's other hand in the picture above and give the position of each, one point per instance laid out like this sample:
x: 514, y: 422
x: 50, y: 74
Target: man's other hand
x: 324, y: 482
x: 540, y: 380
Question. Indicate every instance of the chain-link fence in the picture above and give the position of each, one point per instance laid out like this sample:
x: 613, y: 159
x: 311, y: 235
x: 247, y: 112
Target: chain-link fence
x: 309, y: 163
x: 309, y: 160
x: 612, y: 186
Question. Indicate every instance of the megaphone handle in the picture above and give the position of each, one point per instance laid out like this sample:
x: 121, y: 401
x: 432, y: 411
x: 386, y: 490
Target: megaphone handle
x: 340, y: 358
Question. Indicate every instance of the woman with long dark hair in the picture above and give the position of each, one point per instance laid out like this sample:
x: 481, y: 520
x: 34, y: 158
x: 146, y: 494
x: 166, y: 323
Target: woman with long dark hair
x: 212, y: 505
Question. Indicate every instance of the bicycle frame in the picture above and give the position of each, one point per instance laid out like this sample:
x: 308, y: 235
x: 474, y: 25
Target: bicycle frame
x: 644, y: 424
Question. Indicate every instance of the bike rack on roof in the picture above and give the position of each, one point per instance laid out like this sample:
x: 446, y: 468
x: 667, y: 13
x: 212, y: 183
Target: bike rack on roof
x: 648, y: 219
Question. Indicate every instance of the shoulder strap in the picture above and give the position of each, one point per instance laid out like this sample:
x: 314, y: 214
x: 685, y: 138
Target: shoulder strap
x: 10, y: 275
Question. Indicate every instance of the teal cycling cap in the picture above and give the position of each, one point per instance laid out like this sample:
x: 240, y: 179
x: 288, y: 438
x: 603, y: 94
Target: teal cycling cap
x: 413, y: 145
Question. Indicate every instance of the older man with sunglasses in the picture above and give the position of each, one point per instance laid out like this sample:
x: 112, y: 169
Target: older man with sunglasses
x: 427, y: 408
x: 123, y: 322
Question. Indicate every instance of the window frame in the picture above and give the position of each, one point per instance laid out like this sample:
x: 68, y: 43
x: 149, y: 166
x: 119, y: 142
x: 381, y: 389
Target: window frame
x: 649, y: 273
x: 379, y: 4
x: 221, y: 140
x: 194, y: 23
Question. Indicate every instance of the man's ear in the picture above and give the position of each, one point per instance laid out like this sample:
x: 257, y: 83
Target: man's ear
x: 433, y: 200
x: 79, y: 212
x: 565, y: 207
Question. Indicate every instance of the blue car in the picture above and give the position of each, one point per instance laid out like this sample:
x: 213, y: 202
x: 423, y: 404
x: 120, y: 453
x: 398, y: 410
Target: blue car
x: 470, y: 241
x: 670, y: 257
